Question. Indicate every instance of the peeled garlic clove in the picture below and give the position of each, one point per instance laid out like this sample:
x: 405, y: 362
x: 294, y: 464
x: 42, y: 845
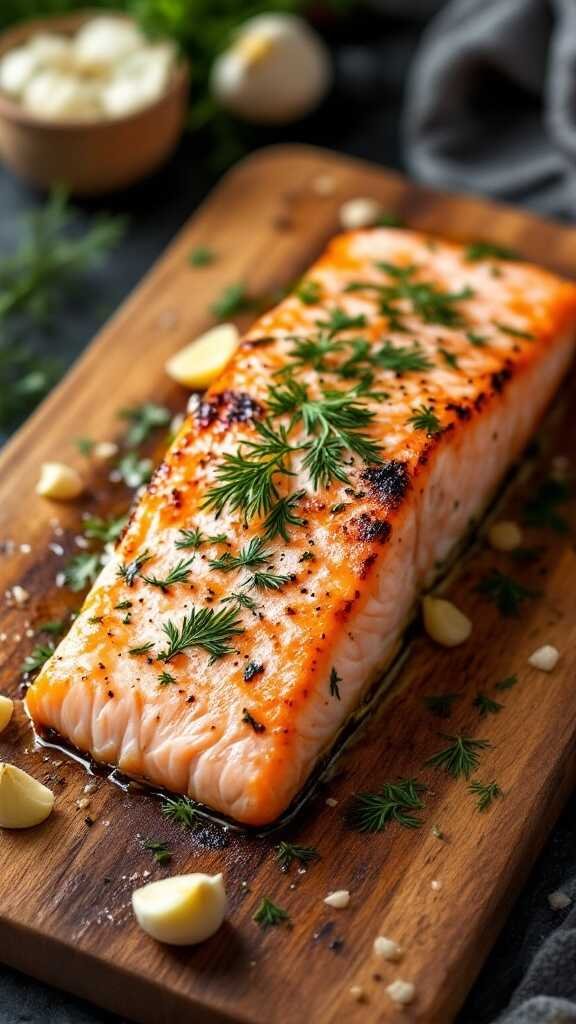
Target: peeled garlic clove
x: 59, y: 96
x: 139, y: 80
x: 504, y: 536
x: 201, y: 362
x: 277, y: 70
x: 16, y: 70
x: 359, y: 213
x: 103, y: 41
x: 6, y: 711
x: 52, y: 51
x: 59, y: 482
x: 24, y: 802
x: 444, y: 622
x: 182, y: 910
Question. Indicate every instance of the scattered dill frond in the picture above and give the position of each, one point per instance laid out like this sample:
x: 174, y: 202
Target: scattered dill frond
x: 201, y: 256
x: 246, y: 480
x: 480, y: 250
x: 37, y: 658
x: 54, y: 627
x: 449, y: 358
x: 206, y: 628
x: 142, y: 649
x: 181, y: 810
x: 478, y: 340
x: 269, y: 915
x: 486, y: 793
x: 85, y: 445
x: 402, y: 358
x: 130, y: 570
x: 252, y: 555
x: 104, y: 530
x: 389, y: 219
x: 460, y: 758
x: 233, y: 299
x: 514, y: 332
x: 507, y: 683
x: 486, y: 705
x: 287, y: 853
x: 542, y: 509
x: 424, y: 418
x: 241, y: 600
x: 82, y: 570
x: 281, y: 516
x: 339, y: 320
x: 309, y: 292
x: 142, y: 420
x: 179, y: 573
x: 505, y: 592
x: 160, y: 851
x: 261, y: 580
x: 165, y: 679
x: 372, y: 812
x: 441, y: 704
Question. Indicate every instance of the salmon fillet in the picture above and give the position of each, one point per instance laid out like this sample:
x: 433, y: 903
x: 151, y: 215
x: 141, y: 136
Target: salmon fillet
x: 267, y: 573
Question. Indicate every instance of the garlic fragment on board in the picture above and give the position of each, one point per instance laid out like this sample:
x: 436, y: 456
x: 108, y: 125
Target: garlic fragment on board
x: 182, y: 910
x: 545, y: 658
x: 444, y: 622
x: 277, y: 70
x: 505, y: 536
x: 24, y: 802
x: 203, y: 360
x: 359, y: 213
x: 59, y: 482
x: 339, y: 899
x: 387, y: 948
x: 401, y: 992
x: 6, y: 711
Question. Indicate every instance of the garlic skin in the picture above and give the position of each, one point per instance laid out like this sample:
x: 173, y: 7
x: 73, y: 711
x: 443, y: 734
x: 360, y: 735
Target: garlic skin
x: 182, y: 910
x: 198, y: 364
x: 59, y: 482
x: 276, y: 71
x: 24, y: 802
x: 6, y: 711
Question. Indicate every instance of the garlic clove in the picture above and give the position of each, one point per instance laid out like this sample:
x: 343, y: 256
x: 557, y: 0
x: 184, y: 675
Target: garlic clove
x: 182, y: 910
x: 444, y: 622
x: 139, y: 80
x: 55, y: 94
x: 359, y: 213
x: 52, y: 51
x: 203, y: 360
x: 59, y: 482
x: 24, y: 802
x: 6, y: 711
x: 505, y: 536
x: 104, y: 41
x: 545, y: 658
x: 16, y: 69
x: 277, y: 70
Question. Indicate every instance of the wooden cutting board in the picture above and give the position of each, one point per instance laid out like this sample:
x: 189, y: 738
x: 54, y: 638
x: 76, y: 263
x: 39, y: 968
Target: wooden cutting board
x: 65, y: 895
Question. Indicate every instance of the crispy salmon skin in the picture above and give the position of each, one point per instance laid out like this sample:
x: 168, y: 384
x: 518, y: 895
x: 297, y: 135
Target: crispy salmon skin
x: 268, y: 570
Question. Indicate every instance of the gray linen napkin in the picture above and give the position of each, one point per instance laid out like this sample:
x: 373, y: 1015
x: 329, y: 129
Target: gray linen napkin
x: 491, y: 101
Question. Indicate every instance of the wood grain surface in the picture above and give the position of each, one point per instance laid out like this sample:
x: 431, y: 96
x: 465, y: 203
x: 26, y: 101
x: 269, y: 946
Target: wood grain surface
x: 65, y: 895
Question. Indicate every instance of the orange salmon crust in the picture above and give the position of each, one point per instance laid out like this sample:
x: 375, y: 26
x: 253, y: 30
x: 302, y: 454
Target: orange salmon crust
x: 451, y: 361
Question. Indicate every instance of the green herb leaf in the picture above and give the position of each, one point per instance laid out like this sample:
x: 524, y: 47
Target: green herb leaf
x: 402, y: 358
x: 201, y: 256
x: 82, y: 570
x: 288, y: 853
x: 486, y: 705
x: 478, y: 251
x: 130, y: 570
x: 507, y: 683
x: 281, y: 516
x: 541, y: 511
x: 309, y: 292
x: 486, y: 794
x: 179, y: 573
x: 210, y: 630
x: 505, y: 592
x: 514, y: 332
x: 142, y: 649
x: 269, y: 915
x: 250, y: 556
x: 338, y: 320
x: 460, y: 758
x: 182, y: 810
x: 478, y: 340
x: 440, y: 705
x: 105, y: 530
x: 160, y: 852
x: 166, y: 678
x: 424, y: 418
x: 232, y: 300
x: 372, y: 812
x: 246, y: 481
x: 37, y: 658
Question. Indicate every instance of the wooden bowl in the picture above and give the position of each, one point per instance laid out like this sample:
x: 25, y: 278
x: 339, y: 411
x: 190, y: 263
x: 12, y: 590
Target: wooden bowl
x: 88, y: 157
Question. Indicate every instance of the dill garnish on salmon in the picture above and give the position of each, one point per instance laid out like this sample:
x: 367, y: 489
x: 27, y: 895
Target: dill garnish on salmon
x: 281, y: 546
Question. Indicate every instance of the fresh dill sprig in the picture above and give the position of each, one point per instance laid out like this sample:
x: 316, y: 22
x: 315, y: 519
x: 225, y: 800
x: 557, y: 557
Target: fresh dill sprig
x: 426, y: 300
x: 460, y: 758
x: 309, y: 292
x: 440, y: 705
x: 335, y: 679
x: 128, y: 571
x: 339, y: 320
x: 486, y: 705
x: 55, y: 627
x: 133, y: 470
x: 181, y: 810
x: 313, y: 351
x: 201, y: 256
x: 486, y: 793
x: 514, y: 332
x: 179, y: 573
x: 194, y: 538
x: 541, y: 510
x: 165, y: 679
x: 372, y: 812
x: 159, y: 850
x: 246, y: 481
x: 288, y: 853
x: 478, y: 340
x: 206, y: 628
x: 269, y: 915
x: 401, y: 358
x: 449, y: 358
x: 281, y: 516
x: 250, y: 556
x: 104, y: 530
x: 507, y: 683
x: 261, y: 580
x: 233, y: 299
x: 143, y: 419
x: 505, y: 592
x: 241, y: 600
x: 142, y: 649
x: 37, y: 658
x: 480, y: 250
x: 82, y: 570
x: 424, y: 418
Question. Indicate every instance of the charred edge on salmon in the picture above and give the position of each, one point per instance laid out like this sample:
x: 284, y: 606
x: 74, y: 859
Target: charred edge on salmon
x: 462, y: 411
x: 368, y: 528
x: 228, y: 407
x: 388, y: 481
x: 499, y: 379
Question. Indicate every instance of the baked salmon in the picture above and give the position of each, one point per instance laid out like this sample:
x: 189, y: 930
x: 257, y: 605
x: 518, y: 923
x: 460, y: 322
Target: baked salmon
x: 266, y: 574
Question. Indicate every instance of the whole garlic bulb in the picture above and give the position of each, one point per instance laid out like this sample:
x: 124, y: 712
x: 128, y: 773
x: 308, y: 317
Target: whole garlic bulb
x: 277, y: 70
